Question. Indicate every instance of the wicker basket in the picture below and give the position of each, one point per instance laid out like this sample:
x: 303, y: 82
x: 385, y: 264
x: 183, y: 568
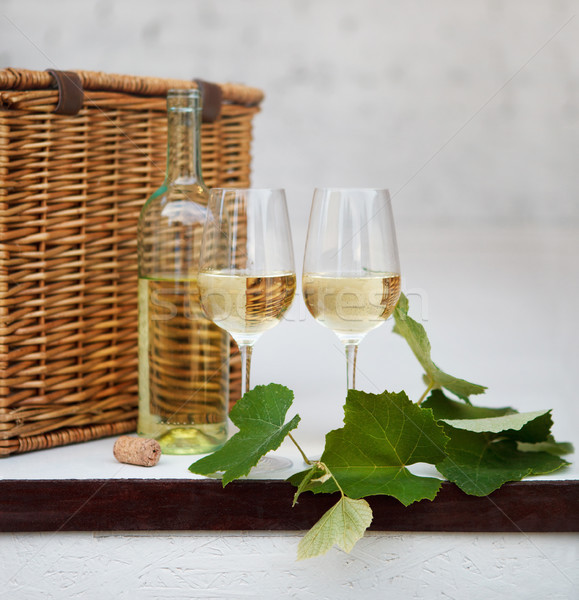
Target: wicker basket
x: 71, y: 188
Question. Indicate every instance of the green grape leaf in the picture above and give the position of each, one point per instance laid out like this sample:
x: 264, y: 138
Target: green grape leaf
x: 445, y: 408
x: 344, y: 524
x: 260, y: 416
x: 549, y: 445
x: 529, y: 429
x: 490, y: 446
x: 526, y: 427
x: 480, y: 463
x: 415, y: 336
x: 382, y: 435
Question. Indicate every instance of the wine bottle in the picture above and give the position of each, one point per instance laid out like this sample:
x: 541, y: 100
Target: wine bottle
x: 183, y: 356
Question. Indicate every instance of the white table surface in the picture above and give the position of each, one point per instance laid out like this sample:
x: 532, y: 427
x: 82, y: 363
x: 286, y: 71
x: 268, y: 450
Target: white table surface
x: 94, y: 460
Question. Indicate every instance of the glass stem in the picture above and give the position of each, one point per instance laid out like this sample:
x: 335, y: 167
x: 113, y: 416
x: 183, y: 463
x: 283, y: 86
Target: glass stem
x: 351, y: 354
x: 245, y: 351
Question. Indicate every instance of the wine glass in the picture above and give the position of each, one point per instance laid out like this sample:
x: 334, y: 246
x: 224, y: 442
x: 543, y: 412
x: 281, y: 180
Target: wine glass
x: 351, y: 274
x: 247, y: 276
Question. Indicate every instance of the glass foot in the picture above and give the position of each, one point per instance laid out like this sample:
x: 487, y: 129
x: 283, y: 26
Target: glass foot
x: 265, y: 466
x: 271, y: 464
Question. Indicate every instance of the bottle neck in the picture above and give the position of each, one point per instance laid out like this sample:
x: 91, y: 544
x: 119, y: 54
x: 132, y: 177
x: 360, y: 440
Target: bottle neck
x: 183, y: 140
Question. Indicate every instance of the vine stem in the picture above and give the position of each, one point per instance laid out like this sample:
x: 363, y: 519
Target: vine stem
x: 335, y: 481
x: 321, y: 464
x: 430, y: 386
x: 306, y: 459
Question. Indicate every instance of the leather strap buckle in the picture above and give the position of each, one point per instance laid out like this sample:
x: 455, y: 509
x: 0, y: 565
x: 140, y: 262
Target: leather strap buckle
x: 70, y: 92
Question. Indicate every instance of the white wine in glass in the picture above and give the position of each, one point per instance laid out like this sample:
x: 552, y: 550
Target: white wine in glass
x: 351, y: 275
x: 246, y: 305
x: 247, y: 276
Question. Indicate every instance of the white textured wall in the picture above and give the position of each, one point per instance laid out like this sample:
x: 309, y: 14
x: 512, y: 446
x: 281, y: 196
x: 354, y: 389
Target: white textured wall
x: 257, y: 566
x: 467, y: 111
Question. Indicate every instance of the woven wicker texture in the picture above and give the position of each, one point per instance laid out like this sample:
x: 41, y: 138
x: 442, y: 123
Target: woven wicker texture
x: 71, y: 188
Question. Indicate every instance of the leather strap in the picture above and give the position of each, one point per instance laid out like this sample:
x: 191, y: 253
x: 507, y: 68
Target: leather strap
x: 211, y: 97
x: 70, y: 93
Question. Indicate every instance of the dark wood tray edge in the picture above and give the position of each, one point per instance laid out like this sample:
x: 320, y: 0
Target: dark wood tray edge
x: 266, y: 505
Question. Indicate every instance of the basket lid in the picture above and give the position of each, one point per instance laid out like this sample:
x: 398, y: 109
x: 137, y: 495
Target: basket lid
x: 24, y: 79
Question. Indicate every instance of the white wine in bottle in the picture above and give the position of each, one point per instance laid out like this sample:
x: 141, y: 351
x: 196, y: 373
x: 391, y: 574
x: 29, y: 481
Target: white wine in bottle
x: 183, y: 385
x: 351, y: 305
x: 246, y: 305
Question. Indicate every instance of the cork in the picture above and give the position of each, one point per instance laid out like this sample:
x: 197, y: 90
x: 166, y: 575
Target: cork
x: 137, y: 451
